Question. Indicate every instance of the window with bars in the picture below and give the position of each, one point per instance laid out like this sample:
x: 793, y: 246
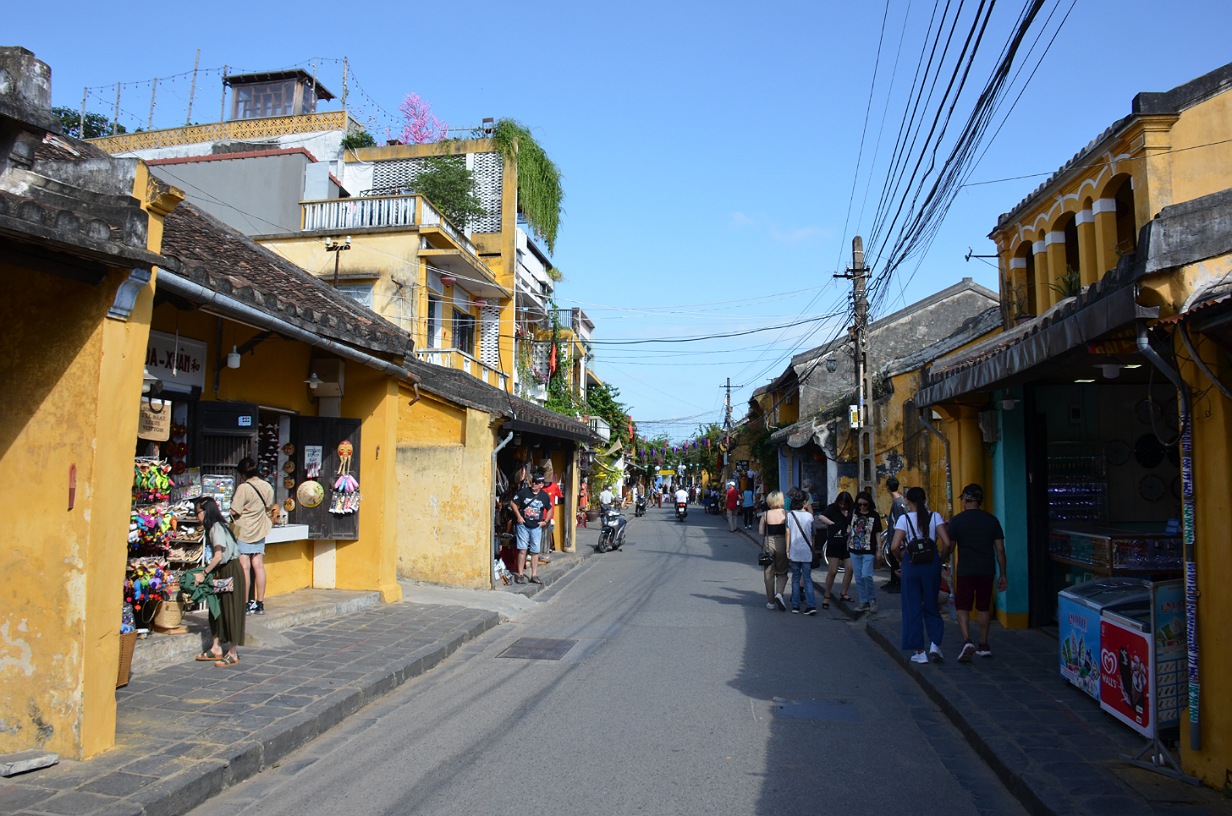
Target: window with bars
x: 433, y: 337
x: 464, y: 332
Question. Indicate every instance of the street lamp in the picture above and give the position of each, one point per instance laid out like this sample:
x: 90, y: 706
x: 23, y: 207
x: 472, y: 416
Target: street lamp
x: 333, y: 246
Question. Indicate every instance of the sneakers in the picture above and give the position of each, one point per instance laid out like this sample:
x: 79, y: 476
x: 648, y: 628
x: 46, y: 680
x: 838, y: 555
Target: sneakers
x: 862, y: 608
x: 984, y: 650
x: 934, y: 654
x: 519, y: 578
x: 780, y: 603
x: 810, y: 610
x: 919, y: 657
x: 256, y: 608
x: 771, y: 605
x: 968, y: 650
x: 795, y: 610
x: 872, y: 606
x: 251, y: 608
x: 893, y: 589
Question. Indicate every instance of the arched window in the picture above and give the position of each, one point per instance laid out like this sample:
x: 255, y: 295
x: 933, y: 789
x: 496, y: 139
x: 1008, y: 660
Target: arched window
x: 1126, y: 220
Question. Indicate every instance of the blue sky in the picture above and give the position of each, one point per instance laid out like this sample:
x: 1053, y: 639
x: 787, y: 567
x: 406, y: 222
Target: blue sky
x: 708, y: 151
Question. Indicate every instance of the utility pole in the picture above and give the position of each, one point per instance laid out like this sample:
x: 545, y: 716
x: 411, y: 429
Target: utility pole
x: 727, y: 425
x: 861, y: 421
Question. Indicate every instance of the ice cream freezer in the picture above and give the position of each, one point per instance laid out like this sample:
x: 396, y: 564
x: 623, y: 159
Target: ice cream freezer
x: 1123, y: 643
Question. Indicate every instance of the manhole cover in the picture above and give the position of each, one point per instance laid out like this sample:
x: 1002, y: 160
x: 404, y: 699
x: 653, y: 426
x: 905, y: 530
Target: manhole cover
x: 538, y: 648
x: 816, y: 710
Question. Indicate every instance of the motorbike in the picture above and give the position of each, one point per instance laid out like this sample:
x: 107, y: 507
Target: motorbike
x: 612, y: 536
x: 682, y: 511
x: 639, y: 509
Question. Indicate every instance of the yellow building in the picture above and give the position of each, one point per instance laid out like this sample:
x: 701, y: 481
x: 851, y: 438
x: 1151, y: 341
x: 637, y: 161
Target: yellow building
x: 1104, y: 417
x: 80, y: 235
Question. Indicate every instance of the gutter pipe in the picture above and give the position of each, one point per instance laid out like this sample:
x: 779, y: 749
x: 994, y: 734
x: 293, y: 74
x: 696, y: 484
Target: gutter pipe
x: 170, y: 282
x: 1187, y: 531
x: 492, y: 504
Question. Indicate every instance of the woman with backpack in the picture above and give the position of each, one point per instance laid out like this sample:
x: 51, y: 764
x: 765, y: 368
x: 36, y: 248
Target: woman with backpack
x: 921, y: 542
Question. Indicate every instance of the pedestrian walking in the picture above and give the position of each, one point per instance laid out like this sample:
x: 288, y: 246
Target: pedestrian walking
x: 746, y: 499
x: 980, y: 544
x: 837, y: 519
x: 865, y: 533
x: 732, y: 504
x: 800, y: 556
x: 773, y: 529
x: 921, y: 575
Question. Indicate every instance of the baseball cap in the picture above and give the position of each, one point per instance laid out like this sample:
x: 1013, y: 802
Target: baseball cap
x: 537, y: 480
x: 973, y: 492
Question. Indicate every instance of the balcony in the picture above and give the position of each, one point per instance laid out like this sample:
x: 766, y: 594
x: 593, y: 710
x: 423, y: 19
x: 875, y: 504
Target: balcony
x: 460, y: 360
x: 410, y: 211
x: 238, y: 130
x: 600, y: 427
x: 576, y: 321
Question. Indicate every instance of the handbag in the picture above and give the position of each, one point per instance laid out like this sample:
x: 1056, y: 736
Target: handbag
x: 765, y: 558
x: 221, y: 585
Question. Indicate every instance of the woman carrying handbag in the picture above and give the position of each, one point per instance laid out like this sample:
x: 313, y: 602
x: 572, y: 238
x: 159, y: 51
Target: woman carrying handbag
x: 800, y: 553
x: 224, y: 563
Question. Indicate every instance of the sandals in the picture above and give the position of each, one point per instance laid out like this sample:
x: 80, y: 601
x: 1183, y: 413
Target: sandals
x: 227, y: 660
x: 845, y: 598
x: 825, y: 602
x: 209, y: 657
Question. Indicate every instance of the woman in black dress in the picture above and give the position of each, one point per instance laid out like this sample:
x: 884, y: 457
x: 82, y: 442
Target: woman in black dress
x: 224, y: 562
x: 837, y: 521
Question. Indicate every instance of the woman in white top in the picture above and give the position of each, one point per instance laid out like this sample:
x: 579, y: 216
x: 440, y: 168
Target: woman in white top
x: 921, y: 581
x: 800, y: 554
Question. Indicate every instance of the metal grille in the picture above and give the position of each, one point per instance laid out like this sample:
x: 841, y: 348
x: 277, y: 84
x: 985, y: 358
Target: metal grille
x: 489, y: 336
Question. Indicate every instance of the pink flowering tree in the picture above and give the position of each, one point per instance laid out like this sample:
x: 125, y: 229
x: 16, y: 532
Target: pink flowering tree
x: 421, y: 126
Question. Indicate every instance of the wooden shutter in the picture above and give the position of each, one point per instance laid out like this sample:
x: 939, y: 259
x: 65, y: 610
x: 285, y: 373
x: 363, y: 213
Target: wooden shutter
x: 326, y: 433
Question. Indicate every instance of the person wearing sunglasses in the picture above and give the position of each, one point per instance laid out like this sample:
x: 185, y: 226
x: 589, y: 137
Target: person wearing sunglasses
x: 865, y: 529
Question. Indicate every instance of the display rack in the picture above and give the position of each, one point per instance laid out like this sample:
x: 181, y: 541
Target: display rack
x: 1077, y: 488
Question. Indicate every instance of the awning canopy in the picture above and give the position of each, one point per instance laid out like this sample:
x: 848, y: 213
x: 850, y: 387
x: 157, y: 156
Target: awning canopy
x: 1012, y: 359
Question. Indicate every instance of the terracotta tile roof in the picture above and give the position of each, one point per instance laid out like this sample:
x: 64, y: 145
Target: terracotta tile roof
x: 224, y: 260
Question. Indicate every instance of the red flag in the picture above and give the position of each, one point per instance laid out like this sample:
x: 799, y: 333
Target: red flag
x: 552, y: 360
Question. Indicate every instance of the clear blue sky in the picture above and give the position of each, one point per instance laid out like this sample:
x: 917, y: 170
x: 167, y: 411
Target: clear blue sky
x: 708, y: 150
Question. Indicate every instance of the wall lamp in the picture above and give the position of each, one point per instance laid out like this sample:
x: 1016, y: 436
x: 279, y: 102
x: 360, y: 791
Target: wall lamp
x: 150, y: 383
x: 1009, y: 403
x: 313, y: 381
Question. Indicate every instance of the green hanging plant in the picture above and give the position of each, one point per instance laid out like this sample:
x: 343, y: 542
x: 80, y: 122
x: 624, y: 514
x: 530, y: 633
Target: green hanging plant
x: 539, y: 192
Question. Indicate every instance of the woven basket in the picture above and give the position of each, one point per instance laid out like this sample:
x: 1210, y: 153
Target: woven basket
x: 128, y: 644
x: 170, y: 614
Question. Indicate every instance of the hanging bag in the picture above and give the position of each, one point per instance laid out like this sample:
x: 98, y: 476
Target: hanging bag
x: 814, y: 552
x: 920, y: 549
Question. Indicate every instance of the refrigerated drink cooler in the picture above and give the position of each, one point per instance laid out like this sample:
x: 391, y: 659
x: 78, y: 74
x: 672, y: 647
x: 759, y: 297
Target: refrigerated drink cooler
x: 1079, y: 609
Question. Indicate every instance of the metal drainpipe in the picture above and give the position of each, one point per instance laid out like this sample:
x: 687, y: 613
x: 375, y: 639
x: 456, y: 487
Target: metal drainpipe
x: 492, y: 526
x: 1187, y: 531
x: 927, y: 422
x: 169, y: 282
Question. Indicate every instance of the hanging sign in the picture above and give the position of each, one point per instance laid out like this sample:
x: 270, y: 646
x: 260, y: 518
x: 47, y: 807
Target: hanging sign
x: 154, y: 421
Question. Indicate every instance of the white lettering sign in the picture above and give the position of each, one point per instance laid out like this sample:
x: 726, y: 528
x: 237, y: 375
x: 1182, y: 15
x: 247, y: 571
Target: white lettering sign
x: 177, y: 361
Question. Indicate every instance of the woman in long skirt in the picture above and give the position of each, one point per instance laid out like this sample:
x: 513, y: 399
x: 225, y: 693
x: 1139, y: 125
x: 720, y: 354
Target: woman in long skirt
x: 228, y: 626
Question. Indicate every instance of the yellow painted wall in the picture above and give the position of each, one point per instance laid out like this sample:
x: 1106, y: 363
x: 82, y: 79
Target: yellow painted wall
x: 1201, y: 154
x: 444, y: 506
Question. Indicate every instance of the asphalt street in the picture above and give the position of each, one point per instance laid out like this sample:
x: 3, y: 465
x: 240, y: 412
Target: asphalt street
x: 674, y: 691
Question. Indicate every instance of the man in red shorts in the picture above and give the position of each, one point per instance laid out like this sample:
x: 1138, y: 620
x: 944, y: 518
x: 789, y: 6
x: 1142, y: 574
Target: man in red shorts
x: 980, y: 543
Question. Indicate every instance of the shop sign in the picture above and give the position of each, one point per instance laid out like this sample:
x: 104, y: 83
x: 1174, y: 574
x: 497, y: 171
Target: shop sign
x: 154, y: 421
x: 177, y: 361
x: 1168, y: 625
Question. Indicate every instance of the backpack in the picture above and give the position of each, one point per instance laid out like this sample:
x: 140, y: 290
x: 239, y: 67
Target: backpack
x: 920, y: 548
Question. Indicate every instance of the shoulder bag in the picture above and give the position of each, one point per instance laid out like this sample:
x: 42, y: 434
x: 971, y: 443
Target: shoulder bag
x: 815, y: 561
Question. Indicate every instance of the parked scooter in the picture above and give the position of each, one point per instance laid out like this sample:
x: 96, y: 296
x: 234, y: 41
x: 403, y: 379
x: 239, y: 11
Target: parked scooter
x: 682, y: 511
x: 639, y: 509
x: 612, y: 536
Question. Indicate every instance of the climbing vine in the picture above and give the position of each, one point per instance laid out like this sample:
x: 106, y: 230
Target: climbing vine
x: 539, y: 191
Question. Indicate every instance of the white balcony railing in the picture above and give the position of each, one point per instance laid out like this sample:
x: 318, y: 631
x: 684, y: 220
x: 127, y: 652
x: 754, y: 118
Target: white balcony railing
x: 460, y: 360
x: 600, y: 427
x: 342, y: 214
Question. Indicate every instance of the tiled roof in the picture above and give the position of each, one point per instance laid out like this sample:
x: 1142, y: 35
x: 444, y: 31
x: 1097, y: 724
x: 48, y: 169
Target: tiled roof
x: 464, y: 389
x: 219, y: 258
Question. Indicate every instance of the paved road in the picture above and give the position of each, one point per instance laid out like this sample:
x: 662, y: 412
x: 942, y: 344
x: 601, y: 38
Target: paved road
x: 680, y: 694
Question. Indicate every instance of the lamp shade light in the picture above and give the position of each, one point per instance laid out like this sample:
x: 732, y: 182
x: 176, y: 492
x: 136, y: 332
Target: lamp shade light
x: 233, y: 359
x: 313, y: 381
